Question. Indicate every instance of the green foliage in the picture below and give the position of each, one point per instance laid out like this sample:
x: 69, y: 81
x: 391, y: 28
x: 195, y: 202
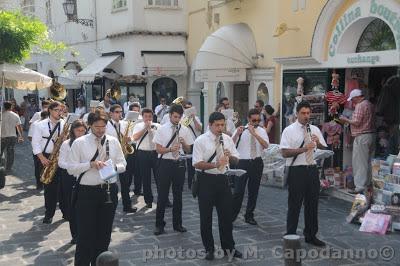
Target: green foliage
x: 20, y: 35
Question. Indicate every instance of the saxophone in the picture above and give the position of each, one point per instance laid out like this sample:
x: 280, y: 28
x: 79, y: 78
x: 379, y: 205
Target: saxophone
x: 47, y: 175
x: 127, y: 148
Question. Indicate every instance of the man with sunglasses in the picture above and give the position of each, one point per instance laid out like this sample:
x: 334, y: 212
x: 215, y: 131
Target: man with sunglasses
x: 116, y: 127
x: 250, y: 142
x: 44, y: 136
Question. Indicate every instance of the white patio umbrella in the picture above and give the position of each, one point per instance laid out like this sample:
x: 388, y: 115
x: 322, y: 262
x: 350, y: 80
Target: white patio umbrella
x: 20, y: 78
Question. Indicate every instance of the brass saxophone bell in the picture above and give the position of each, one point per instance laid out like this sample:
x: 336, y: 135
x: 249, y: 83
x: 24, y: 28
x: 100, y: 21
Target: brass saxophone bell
x: 58, y: 91
x: 178, y: 100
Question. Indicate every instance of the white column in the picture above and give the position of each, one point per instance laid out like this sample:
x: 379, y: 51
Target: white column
x: 210, y: 99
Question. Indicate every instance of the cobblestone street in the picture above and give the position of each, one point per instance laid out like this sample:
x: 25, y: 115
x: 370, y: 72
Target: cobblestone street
x: 26, y: 241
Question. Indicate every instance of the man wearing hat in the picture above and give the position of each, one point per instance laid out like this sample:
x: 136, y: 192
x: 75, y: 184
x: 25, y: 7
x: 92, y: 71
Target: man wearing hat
x: 362, y: 125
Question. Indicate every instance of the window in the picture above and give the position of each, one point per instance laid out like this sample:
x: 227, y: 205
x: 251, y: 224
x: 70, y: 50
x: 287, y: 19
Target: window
x: 118, y: 4
x: 28, y: 7
x: 377, y: 36
x: 163, y: 3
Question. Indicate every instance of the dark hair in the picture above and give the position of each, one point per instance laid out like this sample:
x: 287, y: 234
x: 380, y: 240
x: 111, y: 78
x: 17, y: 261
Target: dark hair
x: 176, y: 108
x: 25, y: 97
x: 114, y: 106
x: 76, y: 124
x: 189, y: 103
x: 44, y: 114
x: 252, y: 111
x: 133, y: 105
x: 163, y: 97
x: 45, y: 102
x: 260, y: 102
x: 7, y: 105
x: 223, y: 99
x: 97, y: 116
x: 215, y: 116
x: 269, y: 109
x: 54, y: 105
x: 147, y: 110
x: 303, y: 104
x: 220, y: 105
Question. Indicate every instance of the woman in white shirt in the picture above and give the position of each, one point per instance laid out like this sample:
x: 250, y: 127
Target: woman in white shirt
x: 80, y: 109
x: 77, y: 129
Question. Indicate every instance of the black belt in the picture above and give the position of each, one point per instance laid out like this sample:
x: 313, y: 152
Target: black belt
x: 147, y: 151
x: 255, y: 159
x: 304, y: 166
x: 172, y: 161
x: 213, y: 175
x: 97, y: 187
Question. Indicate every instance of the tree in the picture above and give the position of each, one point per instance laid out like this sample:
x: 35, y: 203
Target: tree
x: 21, y: 35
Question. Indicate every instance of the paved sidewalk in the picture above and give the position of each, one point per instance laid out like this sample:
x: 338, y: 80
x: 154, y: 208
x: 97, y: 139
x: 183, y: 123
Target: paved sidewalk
x: 26, y: 241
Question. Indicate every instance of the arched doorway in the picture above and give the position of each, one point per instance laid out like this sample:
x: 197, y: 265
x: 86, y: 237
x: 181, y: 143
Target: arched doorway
x: 262, y: 93
x: 220, y: 91
x: 166, y: 87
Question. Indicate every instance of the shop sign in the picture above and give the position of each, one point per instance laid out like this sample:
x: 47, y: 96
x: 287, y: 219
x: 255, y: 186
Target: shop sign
x: 372, y: 8
x: 360, y: 59
x: 214, y: 75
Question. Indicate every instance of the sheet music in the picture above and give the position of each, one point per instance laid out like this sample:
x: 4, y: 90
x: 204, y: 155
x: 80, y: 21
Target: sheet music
x: 191, y: 111
x: 228, y: 113
x: 132, y: 116
x: 108, y: 171
x: 72, y: 118
x: 235, y: 172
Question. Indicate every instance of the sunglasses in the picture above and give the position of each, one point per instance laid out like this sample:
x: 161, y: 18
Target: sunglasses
x: 255, y: 120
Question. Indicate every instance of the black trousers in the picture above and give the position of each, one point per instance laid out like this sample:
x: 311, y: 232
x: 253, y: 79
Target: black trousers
x: 170, y: 172
x: 303, y: 187
x: 51, y: 192
x: 147, y: 162
x: 94, y: 219
x: 36, y: 164
x: 8, y: 144
x: 252, y: 179
x: 191, y: 171
x: 125, y: 180
x: 214, y: 190
x: 67, y: 181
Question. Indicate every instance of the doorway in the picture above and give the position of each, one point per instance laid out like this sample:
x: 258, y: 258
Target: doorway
x: 241, y: 101
x: 166, y: 87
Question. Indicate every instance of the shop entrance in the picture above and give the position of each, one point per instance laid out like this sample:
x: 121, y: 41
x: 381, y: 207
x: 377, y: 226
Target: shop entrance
x: 241, y: 101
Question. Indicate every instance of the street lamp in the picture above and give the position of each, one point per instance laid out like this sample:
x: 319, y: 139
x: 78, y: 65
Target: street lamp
x: 70, y: 11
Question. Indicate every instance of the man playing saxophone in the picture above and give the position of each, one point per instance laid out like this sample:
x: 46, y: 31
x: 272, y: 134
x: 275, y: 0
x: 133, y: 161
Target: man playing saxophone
x: 118, y: 128
x: 44, y: 137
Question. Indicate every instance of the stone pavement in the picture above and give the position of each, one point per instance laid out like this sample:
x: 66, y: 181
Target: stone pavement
x: 26, y: 241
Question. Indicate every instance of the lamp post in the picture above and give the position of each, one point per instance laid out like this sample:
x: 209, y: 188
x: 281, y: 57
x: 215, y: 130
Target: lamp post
x: 70, y: 11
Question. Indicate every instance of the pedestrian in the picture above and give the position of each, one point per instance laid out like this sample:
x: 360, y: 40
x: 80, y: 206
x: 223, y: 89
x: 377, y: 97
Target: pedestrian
x: 270, y: 122
x: 11, y: 132
x: 25, y: 105
x: 80, y: 108
x: 298, y: 143
x: 97, y: 198
x: 250, y: 142
x: 362, y: 126
x: 171, y: 139
x: 212, y: 153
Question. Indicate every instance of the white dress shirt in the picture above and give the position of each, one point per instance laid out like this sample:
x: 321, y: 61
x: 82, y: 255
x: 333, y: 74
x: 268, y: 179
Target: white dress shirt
x: 164, y: 134
x: 80, y: 110
x: 145, y: 144
x: 165, y: 119
x: 9, y: 123
x: 159, y: 107
x: 244, y: 148
x: 36, y: 117
x: 230, y: 126
x: 196, y: 132
x: 293, y: 136
x: 111, y: 130
x: 40, y: 134
x: 32, y: 128
x: 106, y: 109
x: 82, y: 151
x: 63, y: 158
x: 205, y: 146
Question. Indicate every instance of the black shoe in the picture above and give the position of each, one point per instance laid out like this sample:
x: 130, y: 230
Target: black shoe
x: 315, y: 242
x: 169, y: 204
x: 159, y: 231
x: 236, y: 253
x: 130, y: 210
x: 180, y: 229
x: 47, y: 220
x: 73, y: 241
x: 250, y: 220
x: 210, y: 255
x: 149, y: 205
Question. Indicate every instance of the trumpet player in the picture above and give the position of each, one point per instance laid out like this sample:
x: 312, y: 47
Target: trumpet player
x: 195, y: 127
x: 146, y: 158
x: 250, y: 142
x: 171, y: 139
x: 117, y: 128
x: 44, y: 136
x: 77, y: 129
x: 96, y: 200
x: 212, y: 153
x: 161, y: 109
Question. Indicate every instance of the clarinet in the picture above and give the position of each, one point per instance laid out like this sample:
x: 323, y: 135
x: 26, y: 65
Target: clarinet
x: 221, y: 141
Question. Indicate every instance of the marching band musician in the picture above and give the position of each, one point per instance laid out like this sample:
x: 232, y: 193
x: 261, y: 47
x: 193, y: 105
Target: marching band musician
x: 131, y: 159
x: 77, y: 129
x: 195, y: 127
x: 211, y: 161
x: 170, y: 138
x: 250, y: 142
x: 43, y: 138
x: 97, y: 199
x: 116, y: 128
x: 146, y: 157
x: 161, y: 109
